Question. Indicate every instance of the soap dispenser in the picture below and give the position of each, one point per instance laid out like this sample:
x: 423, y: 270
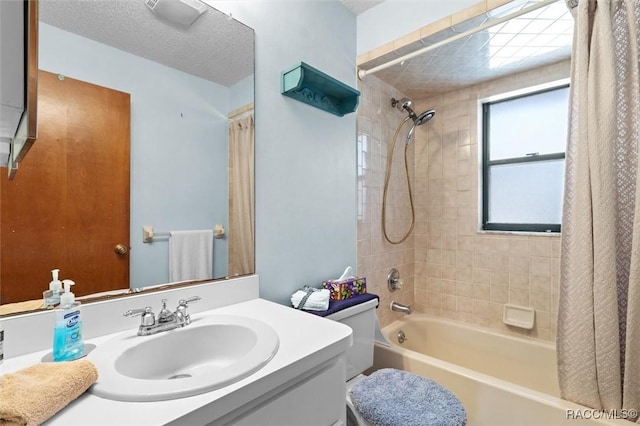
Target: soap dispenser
x: 67, y: 333
x: 52, y: 297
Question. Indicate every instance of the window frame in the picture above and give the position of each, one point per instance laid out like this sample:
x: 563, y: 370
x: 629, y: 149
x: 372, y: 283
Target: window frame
x: 487, y: 163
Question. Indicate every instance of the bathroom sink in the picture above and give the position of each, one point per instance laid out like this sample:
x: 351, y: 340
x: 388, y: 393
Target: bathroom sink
x: 212, y: 352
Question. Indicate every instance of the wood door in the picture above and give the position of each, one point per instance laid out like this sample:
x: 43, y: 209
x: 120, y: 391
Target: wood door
x: 68, y: 206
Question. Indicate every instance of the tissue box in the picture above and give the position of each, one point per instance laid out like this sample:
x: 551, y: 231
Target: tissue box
x: 347, y: 288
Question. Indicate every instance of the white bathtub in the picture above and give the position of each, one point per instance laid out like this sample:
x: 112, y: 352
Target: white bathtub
x: 501, y: 380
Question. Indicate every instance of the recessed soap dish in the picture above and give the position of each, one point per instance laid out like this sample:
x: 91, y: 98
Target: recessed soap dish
x: 519, y: 316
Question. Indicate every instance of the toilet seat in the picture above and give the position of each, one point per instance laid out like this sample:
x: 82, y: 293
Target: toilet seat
x: 396, y: 397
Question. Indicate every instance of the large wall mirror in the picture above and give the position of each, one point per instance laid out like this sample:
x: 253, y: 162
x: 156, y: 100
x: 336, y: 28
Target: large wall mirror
x: 144, y: 121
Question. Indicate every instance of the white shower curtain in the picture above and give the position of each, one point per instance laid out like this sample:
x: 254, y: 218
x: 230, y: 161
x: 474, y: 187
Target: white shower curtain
x: 599, y: 301
x: 241, y: 196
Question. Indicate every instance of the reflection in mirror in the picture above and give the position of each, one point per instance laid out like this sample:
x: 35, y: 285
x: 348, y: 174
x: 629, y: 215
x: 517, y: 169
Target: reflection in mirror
x: 143, y: 122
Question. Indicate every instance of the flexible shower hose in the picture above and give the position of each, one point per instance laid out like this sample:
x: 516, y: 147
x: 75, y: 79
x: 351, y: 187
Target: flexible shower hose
x: 387, y: 177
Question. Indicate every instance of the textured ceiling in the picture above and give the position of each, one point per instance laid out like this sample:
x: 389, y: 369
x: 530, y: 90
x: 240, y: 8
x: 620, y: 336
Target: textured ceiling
x: 215, y: 47
x: 359, y: 6
x: 530, y: 41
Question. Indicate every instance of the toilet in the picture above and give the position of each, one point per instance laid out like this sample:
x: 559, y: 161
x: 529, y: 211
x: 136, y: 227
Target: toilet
x: 361, y: 318
x: 440, y: 403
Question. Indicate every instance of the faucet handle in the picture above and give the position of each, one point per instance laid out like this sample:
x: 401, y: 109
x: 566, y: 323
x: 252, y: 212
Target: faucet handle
x: 185, y: 302
x: 147, y: 317
x: 136, y: 312
x: 181, y: 310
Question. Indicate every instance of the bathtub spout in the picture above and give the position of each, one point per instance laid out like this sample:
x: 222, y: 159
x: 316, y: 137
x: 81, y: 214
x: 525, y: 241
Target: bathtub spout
x: 399, y: 307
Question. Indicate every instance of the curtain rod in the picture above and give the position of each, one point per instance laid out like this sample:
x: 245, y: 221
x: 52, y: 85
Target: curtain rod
x: 539, y: 5
x: 239, y: 111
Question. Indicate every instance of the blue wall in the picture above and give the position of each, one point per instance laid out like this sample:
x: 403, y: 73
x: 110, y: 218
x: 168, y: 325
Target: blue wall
x: 178, y: 144
x: 305, y: 157
x: 241, y: 93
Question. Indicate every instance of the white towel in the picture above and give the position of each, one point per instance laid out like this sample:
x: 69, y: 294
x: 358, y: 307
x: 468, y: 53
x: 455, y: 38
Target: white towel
x: 190, y: 255
x: 317, y: 301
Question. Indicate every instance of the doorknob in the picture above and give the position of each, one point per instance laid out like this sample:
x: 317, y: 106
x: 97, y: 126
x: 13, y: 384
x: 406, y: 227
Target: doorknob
x: 121, y: 249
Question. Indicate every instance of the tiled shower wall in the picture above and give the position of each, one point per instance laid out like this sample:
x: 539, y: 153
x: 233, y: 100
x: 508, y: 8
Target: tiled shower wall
x: 461, y: 273
x: 450, y: 269
x: 377, y: 122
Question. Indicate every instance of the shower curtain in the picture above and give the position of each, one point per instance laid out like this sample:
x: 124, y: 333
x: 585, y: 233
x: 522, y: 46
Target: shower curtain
x: 241, y: 220
x: 598, y: 336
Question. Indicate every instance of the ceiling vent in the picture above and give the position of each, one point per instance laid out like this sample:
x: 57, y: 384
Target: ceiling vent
x: 179, y: 12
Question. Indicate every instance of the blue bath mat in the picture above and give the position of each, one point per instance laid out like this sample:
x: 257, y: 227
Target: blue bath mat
x: 391, y: 397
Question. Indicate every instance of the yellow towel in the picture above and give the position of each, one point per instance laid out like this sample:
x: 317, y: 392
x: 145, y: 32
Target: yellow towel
x: 32, y: 395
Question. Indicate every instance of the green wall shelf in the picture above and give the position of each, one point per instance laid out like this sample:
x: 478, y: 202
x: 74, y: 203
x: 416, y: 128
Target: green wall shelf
x: 311, y: 86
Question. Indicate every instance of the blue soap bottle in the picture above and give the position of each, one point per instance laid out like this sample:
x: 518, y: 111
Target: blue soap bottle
x: 67, y: 333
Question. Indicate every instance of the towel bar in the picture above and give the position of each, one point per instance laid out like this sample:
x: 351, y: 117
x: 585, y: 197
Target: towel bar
x: 148, y: 234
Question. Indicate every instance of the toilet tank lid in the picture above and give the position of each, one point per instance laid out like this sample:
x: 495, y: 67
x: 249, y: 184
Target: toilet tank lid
x: 354, y: 305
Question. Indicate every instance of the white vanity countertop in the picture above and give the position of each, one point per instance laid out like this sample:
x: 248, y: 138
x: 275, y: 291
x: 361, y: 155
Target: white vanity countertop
x: 306, y: 341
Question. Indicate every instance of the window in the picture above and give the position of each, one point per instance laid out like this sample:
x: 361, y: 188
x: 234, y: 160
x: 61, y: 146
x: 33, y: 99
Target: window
x: 524, y: 141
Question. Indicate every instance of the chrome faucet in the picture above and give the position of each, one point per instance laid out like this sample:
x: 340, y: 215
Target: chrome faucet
x: 166, y: 320
x: 399, y: 307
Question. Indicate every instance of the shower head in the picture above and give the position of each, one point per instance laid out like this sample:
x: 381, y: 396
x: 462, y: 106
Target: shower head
x: 418, y: 120
x: 424, y: 117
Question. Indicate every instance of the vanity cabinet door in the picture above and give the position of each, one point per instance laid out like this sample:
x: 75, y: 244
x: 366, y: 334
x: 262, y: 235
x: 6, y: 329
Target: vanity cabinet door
x: 317, y: 401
